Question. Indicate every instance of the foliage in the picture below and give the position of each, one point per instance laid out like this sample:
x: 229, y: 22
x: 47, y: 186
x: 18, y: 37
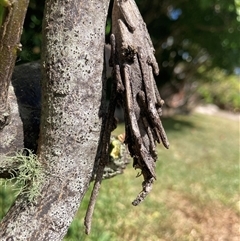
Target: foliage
x: 32, y: 32
x: 221, y: 90
x: 186, y: 32
x: 194, y: 32
x: 197, y: 185
x: 186, y: 35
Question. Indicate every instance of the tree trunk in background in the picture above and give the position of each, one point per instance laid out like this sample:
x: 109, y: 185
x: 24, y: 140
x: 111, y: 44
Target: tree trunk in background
x: 24, y: 96
x: 73, y: 44
x: 10, y: 34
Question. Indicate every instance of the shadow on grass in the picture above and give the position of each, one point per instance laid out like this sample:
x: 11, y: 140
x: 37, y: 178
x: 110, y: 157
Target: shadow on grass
x: 177, y: 123
x: 170, y: 124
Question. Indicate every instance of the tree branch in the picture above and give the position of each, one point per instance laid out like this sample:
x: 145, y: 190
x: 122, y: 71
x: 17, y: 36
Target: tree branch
x: 73, y: 47
x: 10, y: 33
x: 24, y: 132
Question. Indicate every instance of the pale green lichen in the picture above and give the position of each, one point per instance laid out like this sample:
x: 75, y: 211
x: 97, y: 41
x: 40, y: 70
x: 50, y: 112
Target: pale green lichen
x: 28, y: 177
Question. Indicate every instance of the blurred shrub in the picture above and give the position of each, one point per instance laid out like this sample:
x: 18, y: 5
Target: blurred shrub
x: 185, y: 40
x: 221, y: 90
x: 32, y: 32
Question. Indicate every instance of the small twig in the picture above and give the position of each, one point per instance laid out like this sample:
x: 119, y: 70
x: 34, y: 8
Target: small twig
x: 147, y: 187
x: 103, y: 156
x: 93, y: 198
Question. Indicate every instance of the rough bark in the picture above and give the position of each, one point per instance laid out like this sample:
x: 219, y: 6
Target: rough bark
x: 11, y: 136
x: 24, y: 132
x: 73, y: 47
x: 25, y: 103
x: 10, y: 34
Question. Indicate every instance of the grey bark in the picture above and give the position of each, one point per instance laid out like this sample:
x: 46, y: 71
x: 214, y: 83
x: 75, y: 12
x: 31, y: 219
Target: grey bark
x: 11, y: 136
x: 73, y: 47
x: 24, y: 96
x: 25, y: 102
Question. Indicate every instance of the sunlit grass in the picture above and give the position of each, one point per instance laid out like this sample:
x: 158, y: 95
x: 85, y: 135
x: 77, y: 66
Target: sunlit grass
x: 197, y: 184
x: 204, y: 158
x: 199, y: 171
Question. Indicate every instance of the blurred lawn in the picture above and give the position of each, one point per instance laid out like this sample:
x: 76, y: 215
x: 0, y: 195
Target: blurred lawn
x: 196, y: 195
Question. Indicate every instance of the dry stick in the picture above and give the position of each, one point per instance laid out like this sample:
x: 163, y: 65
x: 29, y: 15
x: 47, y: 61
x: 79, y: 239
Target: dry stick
x: 144, y: 159
x: 147, y: 187
x: 131, y: 34
x: 153, y: 113
x: 143, y: 153
x: 92, y: 202
x: 103, y: 160
x: 104, y: 148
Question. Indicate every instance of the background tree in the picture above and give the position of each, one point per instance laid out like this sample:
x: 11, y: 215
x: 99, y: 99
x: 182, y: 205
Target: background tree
x: 11, y: 22
x: 191, y: 39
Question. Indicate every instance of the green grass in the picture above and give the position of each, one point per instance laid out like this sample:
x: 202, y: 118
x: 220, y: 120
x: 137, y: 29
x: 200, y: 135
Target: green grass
x: 197, y: 184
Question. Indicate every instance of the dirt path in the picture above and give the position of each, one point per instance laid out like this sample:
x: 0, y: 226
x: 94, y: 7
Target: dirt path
x: 214, y: 110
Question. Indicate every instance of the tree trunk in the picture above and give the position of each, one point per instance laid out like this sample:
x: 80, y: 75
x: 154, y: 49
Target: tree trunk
x: 10, y: 34
x: 73, y: 45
